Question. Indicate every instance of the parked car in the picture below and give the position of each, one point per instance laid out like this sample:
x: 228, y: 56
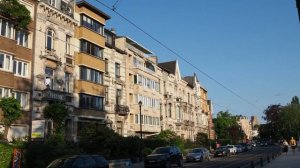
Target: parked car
x: 232, y: 149
x: 198, y: 154
x: 239, y: 148
x: 164, y: 157
x: 244, y: 146
x: 80, y: 161
x: 222, y: 151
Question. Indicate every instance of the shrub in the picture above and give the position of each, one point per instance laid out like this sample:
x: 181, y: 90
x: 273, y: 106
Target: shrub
x: 6, y: 153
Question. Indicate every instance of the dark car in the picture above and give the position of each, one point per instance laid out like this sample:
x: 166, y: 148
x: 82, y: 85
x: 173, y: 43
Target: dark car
x: 222, y: 151
x: 198, y: 154
x: 164, y: 157
x: 80, y: 161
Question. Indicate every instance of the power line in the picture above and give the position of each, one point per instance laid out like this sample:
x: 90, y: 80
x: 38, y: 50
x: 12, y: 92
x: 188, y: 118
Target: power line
x: 178, y: 55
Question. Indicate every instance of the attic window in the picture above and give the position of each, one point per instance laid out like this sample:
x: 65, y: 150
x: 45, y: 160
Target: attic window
x: 149, y: 66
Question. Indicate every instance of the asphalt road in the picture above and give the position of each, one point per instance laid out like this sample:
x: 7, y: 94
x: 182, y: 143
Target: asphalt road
x: 240, y: 160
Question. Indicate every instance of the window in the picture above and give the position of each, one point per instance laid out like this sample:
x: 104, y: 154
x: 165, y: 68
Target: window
x: 91, y: 102
x: 52, y: 2
x: 49, y: 82
x: 68, y: 87
x: 20, y: 68
x: 68, y: 44
x: 117, y: 71
x: 22, y: 98
x: 170, y: 110
x: 22, y: 38
x: 5, y: 92
x: 5, y: 62
x: 90, y: 48
x: 6, y: 29
x: 91, y: 24
x: 108, y: 39
x: 91, y: 75
x: 118, y: 96
x: 50, y: 39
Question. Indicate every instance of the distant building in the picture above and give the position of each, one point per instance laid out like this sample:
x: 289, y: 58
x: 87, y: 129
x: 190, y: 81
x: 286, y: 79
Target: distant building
x: 254, y: 121
x: 245, y: 126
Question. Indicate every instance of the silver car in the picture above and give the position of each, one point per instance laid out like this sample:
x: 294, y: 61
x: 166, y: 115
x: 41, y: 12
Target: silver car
x: 198, y: 154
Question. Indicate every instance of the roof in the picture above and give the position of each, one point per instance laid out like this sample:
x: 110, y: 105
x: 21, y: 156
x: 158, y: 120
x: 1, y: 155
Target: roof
x: 170, y: 66
x: 136, y: 45
x: 190, y: 81
x: 92, y: 8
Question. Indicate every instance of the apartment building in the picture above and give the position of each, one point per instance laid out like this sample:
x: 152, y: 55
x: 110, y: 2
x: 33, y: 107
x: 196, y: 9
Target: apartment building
x: 116, y: 105
x: 142, y: 86
x: 16, y: 53
x: 246, y: 127
x: 89, y: 70
x: 53, y: 70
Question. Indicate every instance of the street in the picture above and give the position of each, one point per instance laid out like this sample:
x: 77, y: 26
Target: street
x: 241, y: 159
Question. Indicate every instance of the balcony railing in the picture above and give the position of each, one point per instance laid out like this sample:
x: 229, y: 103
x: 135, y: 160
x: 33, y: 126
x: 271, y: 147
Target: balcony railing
x: 56, y: 95
x: 122, y: 110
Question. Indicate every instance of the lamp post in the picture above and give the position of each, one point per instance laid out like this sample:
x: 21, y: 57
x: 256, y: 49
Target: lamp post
x: 141, y: 135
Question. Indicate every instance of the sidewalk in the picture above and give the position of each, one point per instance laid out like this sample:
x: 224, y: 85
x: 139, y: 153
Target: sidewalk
x: 286, y: 161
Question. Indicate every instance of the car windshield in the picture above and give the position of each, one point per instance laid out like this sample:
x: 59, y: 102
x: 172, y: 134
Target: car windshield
x: 196, y: 151
x: 61, y: 162
x: 161, y: 150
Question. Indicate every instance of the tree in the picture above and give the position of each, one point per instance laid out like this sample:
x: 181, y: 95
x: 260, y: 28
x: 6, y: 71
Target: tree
x: 16, y: 12
x: 57, y: 112
x: 202, y: 139
x: 295, y: 100
x: 11, y: 109
x: 225, y: 125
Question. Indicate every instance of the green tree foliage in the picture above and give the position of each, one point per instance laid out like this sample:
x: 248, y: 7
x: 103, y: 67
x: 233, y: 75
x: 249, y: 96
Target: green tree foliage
x: 202, y: 139
x: 11, y: 109
x: 15, y: 11
x: 57, y: 112
x: 226, y: 127
x: 282, y: 121
x: 170, y: 138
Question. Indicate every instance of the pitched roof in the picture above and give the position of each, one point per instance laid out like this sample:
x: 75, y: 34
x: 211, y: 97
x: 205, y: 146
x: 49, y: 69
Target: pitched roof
x: 170, y: 66
x: 190, y: 81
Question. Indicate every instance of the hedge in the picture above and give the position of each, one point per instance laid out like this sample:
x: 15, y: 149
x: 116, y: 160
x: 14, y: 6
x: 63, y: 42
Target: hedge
x: 6, y: 153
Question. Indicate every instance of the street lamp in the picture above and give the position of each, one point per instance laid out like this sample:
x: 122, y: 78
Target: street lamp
x: 141, y: 135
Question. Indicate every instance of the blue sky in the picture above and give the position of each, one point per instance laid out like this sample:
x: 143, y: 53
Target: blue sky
x: 250, y: 46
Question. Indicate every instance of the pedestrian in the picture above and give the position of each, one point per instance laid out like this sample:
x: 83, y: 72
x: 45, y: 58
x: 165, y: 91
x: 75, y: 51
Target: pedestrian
x: 293, y: 144
x: 285, y: 146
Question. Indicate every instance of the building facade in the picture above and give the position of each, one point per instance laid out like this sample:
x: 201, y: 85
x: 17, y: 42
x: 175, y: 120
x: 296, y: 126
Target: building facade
x: 16, y: 62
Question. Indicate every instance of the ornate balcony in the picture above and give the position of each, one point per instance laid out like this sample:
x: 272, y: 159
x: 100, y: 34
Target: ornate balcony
x: 53, y: 95
x: 122, y: 110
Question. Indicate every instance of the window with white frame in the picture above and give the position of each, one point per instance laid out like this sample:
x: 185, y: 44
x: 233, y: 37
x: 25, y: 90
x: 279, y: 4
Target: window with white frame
x: 50, y: 39
x: 5, y: 92
x: 52, y: 2
x: 68, y: 44
x: 22, y: 38
x: 5, y: 62
x: 20, y: 68
x: 6, y: 28
x: 22, y: 97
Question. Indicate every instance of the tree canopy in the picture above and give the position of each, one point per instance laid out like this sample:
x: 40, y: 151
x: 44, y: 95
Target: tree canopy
x: 57, y: 112
x: 15, y: 11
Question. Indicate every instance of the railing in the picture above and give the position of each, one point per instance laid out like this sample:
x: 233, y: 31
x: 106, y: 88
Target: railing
x: 122, y: 110
x: 56, y: 95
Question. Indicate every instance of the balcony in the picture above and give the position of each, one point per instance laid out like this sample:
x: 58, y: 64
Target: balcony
x: 55, y: 95
x: 122, y: 110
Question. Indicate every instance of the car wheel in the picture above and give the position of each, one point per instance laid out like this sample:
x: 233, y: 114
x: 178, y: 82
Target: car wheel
x: 201, y: 159
x: 180, y: 162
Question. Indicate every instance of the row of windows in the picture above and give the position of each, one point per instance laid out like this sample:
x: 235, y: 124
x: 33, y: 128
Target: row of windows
x: 146, y: 82
x: 91, y: 75
x: 148, y: 101
x: 7, y: 30
x: 147, y: 120
x: 22, y: 97
x: 91, y: 102
x: 90, y: 48
x: 91, y: 24
x: 7, y: 63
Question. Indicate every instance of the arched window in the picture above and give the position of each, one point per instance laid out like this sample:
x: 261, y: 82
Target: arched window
x: 50, y: 39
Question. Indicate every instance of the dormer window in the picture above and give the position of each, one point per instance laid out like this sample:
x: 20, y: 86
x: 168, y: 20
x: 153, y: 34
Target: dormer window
x: 50, y: 39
